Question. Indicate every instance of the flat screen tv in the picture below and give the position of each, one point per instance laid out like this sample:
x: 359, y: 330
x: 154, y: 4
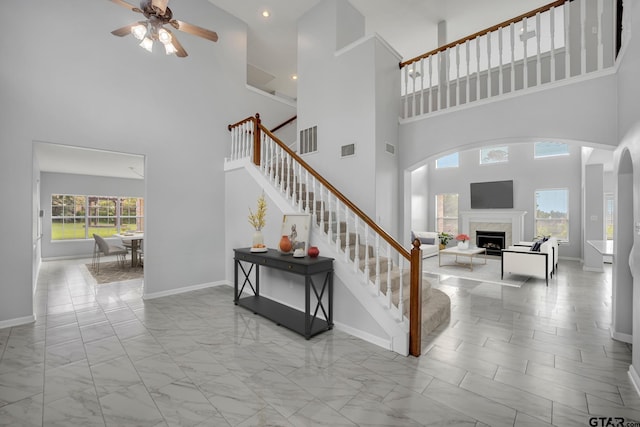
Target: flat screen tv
x: 492, y: 195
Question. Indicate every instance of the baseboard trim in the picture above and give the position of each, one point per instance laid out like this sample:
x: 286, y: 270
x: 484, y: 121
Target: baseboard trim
x: 365, y: 336
x: 619, y: 336
x: 635, y: 379
x: 17, y: 321
x: 178, y: 291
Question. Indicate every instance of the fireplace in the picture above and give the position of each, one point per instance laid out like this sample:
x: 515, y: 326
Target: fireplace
x: 493, y: 241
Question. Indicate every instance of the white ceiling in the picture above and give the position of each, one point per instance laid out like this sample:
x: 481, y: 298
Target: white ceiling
x: 410, y: 26
x: 76, y: 160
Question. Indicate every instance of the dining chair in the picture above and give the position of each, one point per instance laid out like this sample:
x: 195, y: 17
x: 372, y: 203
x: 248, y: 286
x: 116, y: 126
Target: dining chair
x: 102, y: 247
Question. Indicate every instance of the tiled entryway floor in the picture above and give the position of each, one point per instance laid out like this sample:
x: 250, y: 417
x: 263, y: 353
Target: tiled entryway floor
x: 99, y: 355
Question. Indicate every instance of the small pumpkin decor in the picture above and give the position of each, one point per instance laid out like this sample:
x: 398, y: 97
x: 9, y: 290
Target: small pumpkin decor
x: 313, y: 251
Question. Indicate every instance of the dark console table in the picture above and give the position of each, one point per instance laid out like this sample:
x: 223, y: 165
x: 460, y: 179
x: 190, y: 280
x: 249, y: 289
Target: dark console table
x: 305, y: 323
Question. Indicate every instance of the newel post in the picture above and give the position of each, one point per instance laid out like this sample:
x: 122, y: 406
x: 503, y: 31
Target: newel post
x: 256, y: 140
x: 415, y: 301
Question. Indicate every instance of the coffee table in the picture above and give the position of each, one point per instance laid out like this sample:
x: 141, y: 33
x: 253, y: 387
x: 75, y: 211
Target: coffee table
x: 469, y: 253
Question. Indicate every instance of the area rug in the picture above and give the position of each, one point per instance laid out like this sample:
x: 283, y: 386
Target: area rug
x: 489, y: 273
x: 113, y: 272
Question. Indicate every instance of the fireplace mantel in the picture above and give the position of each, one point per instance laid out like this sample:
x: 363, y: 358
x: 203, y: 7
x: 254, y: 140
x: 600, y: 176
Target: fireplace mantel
x: 513, y: 217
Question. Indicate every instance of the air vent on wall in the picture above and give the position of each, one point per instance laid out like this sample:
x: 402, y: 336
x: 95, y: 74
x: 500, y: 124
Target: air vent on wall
x: 309, y: 140
x: 347, y: 150
x: 391, y: 149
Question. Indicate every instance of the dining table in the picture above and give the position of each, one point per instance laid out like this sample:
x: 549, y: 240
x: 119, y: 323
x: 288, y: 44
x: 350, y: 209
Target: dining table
x: 136, y: 240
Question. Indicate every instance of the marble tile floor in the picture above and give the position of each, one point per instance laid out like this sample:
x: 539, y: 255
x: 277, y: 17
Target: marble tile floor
x: 98, y: 355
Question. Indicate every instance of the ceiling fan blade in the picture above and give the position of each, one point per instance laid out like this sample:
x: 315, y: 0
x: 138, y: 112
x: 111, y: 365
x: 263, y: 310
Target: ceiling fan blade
x: 124, y: 31
x: 180, y: 52
x: 127, y: 5
x: 194, y: 29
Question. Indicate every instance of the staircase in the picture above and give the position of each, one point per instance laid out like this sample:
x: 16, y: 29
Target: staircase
x: 373, y: 266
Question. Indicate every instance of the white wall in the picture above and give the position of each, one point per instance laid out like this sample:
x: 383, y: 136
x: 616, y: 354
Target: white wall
x: 352, y: 96
x: 242, y: 192
x: 60, y: 183
x: 528, y: 175
x: 68, y: 80
x: 629, y: 127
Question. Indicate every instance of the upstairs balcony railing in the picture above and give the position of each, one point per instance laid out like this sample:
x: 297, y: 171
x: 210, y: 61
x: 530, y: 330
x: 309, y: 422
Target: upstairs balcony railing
x: 564, y: 39
x: 383, y: 263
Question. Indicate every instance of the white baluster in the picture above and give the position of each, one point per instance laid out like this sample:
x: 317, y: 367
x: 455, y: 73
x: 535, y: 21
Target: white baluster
x: 422, y: 86
x: 389, y: 267
x: 247, y: 139
x: 467, y: 92
x: 281, y: 164
x: 457, y: 75
x: 439, y: 63
x: 413, y: 94
x: 287, y: 177
x: 322, y: 208
x: 356, y: 257
x: 583, y: 40
x: 478, y: 68
x: 314, y: 202
x: 366, y: 253
x: 430, y: 101
x: 272, y: 159
x: 306, y: 187
x: 500, y: 63
x: 347, y: 251
x: 538, y: 57
x: 600, y: 46
x: 377, y: 254
x: 401, y: 289
x: 525, y: 61
x: 567, y: 44
x: 552, y: 26
x: 302, y: 188
x: 513, y: 57
x: 488, y: 65
x: 330, y: 218
x: 338, y: 226
x: 447, y: 66
x: 405, y: 72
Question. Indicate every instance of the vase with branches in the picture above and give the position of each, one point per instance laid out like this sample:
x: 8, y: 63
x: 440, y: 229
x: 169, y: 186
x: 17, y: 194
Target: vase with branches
x: 258, y: 221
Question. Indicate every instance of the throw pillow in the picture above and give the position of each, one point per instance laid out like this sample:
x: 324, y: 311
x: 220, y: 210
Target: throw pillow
x: 536, y: 246
x: 427, y: 240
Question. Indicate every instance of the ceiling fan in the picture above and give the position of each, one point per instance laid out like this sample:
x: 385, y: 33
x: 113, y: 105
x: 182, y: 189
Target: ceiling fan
x: 158, y: 14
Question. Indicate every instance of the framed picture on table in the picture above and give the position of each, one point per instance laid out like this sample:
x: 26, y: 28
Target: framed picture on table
x: 297, y: 228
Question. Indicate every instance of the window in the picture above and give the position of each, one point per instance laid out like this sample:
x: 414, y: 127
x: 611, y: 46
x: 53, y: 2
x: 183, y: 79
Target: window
x: 447, y: 213
x: 550, y: 149
x: 552, y: 213
x: 80, y: 217
x: 608, y: 215
x: 490, y: 155
x: 450, y: 161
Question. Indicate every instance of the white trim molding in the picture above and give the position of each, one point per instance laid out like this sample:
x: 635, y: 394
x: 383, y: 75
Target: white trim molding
x: 635, y: 379
x: 17, y: 321
x: 178, y: 291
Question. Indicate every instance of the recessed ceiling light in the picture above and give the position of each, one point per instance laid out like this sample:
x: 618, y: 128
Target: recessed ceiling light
x: 294, y: 77
x: 266, y: 13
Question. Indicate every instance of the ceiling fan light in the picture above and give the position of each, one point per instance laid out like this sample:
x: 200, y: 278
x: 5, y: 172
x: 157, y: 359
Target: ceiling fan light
x: 147, y: 44
x: 164, y: 36
x: 139, y: 31
x: 169, y: 48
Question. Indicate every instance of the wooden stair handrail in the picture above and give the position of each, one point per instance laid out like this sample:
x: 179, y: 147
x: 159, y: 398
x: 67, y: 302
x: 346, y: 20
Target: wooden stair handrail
x: 283, y: 124
x: 485, y: 31
x: 258, y: 127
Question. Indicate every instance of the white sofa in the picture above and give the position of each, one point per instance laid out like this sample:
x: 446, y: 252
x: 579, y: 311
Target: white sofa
x: 537, y: 259
x: 429, y: 242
